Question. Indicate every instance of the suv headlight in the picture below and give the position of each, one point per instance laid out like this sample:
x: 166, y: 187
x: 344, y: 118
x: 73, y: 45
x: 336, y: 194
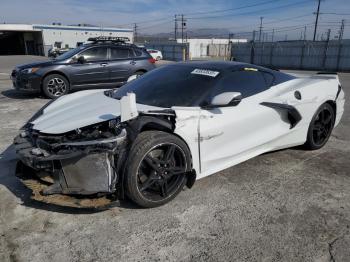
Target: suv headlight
x: 30, y: 70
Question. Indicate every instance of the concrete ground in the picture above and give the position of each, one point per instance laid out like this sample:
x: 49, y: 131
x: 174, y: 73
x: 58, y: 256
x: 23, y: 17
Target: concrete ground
x: 290, y: 205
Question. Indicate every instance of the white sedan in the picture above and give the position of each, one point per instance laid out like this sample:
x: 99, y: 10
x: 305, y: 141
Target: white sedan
x: 156, y: 54
x: 174, y: 125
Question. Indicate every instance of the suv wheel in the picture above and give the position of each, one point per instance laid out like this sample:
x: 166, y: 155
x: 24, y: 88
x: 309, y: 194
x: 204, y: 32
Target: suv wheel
x: 55, y: 85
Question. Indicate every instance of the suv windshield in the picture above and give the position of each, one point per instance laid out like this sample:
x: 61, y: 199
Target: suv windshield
x: 171, y: 85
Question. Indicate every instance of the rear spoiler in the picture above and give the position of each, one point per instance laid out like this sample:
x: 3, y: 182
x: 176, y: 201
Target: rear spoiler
x: 331, y: 75
x: 326, y: 73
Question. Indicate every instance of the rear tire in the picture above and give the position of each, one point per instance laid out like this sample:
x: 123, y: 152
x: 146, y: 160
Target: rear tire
x: 320, y: 127
x: 156, y: 169
x: 55, y: 85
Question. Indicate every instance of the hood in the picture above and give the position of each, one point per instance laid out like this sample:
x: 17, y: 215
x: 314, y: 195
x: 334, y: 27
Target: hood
x: 80, y: 109
x: 35, y: 64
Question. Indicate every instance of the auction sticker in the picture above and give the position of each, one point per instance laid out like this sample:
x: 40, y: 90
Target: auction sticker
x: 205, y: 72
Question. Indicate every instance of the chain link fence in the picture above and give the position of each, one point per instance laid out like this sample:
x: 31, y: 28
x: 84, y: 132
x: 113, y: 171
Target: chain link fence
x: 171, y: 51
x: 321, y: 55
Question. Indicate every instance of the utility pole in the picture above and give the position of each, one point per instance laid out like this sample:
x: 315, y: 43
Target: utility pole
x: 328, y: 34
x: 230, y: 36
x: 253, y: 37
x: 304, y: 33
x: 183, y: 27
x: 260, y: 28
x: 175, y: 28
x: 326, y: 48
x: 135, y: 33
x: 341, y: 32
x: 316, y: 22
x: 273, y: 35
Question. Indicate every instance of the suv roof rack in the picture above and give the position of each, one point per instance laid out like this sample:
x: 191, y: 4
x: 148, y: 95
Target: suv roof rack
x: 111, y: 39
x: 122, y: 41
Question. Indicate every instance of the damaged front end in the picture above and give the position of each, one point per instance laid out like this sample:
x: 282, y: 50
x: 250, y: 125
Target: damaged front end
x: 79, y: 162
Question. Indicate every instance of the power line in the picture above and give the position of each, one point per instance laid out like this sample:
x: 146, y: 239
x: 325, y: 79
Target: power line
x: 204, y: 12
x: 233, y: 9
x: 287, y: 19
x: 333, y: 14
x: 252, y: 12
x: 154, y: 25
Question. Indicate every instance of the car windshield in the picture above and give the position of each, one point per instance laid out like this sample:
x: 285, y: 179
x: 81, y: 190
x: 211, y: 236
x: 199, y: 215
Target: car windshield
x: 69, y: 53
x: 171, y: 85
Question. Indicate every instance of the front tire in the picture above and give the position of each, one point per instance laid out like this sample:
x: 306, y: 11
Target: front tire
x: 321, y: 127
x: 55, y: 85
x: 156, y: 169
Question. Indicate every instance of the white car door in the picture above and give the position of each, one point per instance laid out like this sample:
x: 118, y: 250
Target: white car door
x: 230, y: 135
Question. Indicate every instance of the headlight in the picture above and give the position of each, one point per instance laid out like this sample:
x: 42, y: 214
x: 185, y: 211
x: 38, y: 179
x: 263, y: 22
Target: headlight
x: 30, y: 70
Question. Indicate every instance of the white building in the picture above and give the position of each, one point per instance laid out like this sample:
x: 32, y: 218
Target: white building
x: 199, y: 47
x: 37, y: 39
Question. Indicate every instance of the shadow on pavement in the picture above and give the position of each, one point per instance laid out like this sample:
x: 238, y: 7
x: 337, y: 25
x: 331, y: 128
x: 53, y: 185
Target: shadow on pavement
x: 8, y: 161
x: 14, y: 94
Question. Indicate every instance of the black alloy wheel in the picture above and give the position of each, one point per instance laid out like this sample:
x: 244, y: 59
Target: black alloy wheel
x: 321, y: 127
x: 161, y: 171
x: 156, y: 170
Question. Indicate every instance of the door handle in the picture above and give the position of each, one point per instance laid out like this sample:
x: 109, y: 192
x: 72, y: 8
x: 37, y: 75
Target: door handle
x: 103, y: 64
x: 133, y: 62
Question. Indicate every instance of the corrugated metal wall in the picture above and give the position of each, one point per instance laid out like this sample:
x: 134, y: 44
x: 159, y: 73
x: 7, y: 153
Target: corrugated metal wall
x: 219, y: 50
x: 171, y: 51
x: 332, y: 55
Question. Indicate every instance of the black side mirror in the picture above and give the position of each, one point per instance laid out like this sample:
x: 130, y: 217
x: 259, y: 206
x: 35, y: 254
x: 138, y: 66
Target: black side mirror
x: 81, y: 60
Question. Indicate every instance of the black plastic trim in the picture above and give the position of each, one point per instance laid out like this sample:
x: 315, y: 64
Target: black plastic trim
x: 294, y: 116
x: 338, y: 92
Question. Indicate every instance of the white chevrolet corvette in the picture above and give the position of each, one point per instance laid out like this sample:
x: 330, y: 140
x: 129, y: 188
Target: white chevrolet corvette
x: 173, y: 125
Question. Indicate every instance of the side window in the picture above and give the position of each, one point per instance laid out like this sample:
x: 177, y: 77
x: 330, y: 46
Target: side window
x: 95, y: 54
x: 248, y: 83
x: 121, y: 53
x: 138, y: 52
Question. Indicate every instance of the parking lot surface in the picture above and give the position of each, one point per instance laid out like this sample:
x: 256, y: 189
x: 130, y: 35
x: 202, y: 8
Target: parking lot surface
x: 290, y: 205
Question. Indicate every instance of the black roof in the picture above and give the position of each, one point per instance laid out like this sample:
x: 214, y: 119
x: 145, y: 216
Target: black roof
x: 221, y: 65
x: 231, y: 65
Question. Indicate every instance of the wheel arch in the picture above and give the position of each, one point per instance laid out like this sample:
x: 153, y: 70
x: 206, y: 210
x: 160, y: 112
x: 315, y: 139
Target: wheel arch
x: 165, y: 126
x: 54, y: 72
x: 141, y: 71
x: 333, y: 104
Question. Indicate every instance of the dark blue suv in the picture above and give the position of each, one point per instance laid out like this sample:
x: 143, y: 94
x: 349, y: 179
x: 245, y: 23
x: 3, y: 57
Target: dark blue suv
x: 105, y: 62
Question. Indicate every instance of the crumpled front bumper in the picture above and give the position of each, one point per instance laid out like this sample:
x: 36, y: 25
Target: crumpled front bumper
x: 89, y: 168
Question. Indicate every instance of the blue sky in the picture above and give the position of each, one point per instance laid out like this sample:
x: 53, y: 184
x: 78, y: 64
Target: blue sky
x: 287, y: 16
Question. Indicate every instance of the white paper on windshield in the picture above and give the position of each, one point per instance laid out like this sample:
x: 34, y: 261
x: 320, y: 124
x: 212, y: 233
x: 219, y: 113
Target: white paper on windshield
x: 205, y: 72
